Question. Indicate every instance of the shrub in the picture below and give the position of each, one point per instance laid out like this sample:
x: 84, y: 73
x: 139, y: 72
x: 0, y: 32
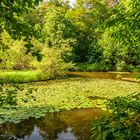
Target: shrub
x: 122, y: 66
x: 52, y: 61
x: 136, y: 68
x: 13, y: 53
x: 92, y: 67
x: 122, y: 122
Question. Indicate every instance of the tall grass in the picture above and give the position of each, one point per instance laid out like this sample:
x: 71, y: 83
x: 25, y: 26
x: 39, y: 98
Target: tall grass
x: 22, y: 76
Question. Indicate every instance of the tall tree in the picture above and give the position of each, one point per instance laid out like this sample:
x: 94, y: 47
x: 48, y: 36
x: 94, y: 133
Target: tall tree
x: 11, y: 15
x: 121, y: 38
x: 87, y: 15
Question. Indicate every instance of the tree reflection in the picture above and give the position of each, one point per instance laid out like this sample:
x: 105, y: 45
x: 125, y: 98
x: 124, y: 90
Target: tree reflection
x: 66, y: 125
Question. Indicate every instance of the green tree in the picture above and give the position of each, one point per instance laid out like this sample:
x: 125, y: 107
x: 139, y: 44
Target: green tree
x: 13, y: 53
x: 121, y: 39
x: 10, y: 9
x: 87, y: 15
x: 52, y: 61
x: 13, y: 19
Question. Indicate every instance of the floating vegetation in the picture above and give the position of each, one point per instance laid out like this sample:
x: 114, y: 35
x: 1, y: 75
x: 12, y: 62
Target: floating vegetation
x: 22, y: 101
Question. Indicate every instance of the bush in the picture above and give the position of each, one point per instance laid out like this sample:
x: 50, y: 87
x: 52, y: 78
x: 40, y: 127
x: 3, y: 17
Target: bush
x: 122, y: 122
x: 136, y: 68
x: 92, y: 67
x: 137, y: 76
x: 102, y: 67
x: 13, y: 53
x: 122, y: 66
x: 52, y: 61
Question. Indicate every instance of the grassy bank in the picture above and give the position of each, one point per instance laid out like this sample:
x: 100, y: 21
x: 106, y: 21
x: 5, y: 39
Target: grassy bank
x: 22, y: 76
x: 34, y: 99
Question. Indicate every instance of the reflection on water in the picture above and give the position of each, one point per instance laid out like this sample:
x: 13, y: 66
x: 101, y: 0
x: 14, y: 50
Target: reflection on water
x: 67, y: 135
x: 103, y: 75
x: 66, y: 125
x: 35, y: 135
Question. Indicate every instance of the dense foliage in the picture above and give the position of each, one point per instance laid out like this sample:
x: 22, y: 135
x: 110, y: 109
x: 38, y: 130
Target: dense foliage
x: 123, y: 122
x: 120, y: 38
x: 46, y: 39
x: 103, y: 34
x: 12, y: 16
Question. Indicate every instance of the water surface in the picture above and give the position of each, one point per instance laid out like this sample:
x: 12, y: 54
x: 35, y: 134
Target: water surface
x: 65, y: 125
x: 104, y: 75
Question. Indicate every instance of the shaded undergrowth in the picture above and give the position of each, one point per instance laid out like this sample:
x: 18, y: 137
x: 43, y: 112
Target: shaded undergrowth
x: 122, y: 122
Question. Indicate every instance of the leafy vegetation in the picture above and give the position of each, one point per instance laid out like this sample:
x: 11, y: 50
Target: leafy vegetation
x: 46, y: 39
x: 13, y: 55
x: 102, y: 34
x: 22, y: 101
x: 137, y: 76
x: 120, y: 38
x: 92, y: 32
x: 122, y: 121
x: 12, y: 19
x: 22, y: 76
x: 91, y: 67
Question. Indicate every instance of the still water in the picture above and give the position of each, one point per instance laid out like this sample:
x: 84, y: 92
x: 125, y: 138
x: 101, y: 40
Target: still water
x: 104, y: 75
x: 65, y: 125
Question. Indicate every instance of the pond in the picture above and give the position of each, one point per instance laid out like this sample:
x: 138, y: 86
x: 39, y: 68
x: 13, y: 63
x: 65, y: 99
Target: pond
x: 68, y: 125
x: 65, y: 125
x: 104, y: 75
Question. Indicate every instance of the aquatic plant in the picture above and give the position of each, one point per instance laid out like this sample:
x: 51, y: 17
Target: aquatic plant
x: 35, y: 99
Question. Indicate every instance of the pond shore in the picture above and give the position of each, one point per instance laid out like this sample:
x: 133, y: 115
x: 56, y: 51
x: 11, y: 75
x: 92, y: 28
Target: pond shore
x: 35, y: 76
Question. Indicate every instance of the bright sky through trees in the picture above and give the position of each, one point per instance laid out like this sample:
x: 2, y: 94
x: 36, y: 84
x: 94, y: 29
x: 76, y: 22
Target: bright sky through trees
x: 72, y: 1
